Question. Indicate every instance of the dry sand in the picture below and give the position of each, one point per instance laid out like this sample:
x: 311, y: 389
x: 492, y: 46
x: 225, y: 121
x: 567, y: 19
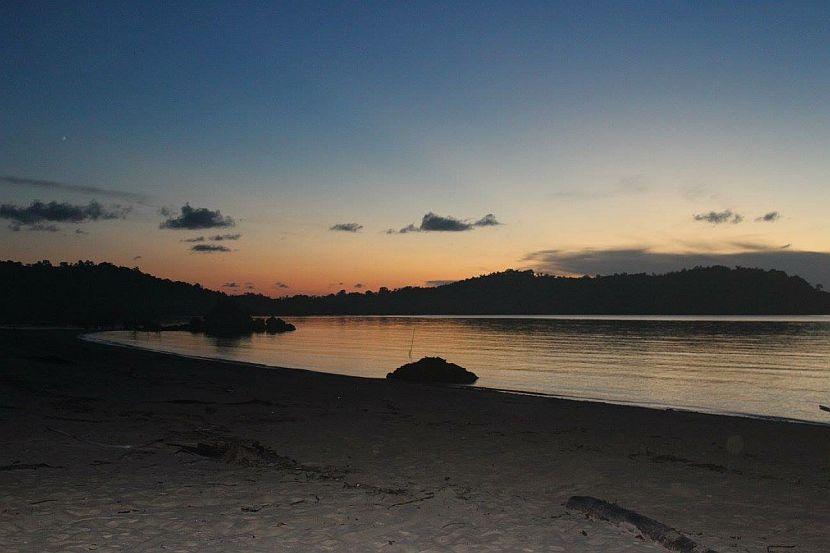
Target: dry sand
x: 378, y: 465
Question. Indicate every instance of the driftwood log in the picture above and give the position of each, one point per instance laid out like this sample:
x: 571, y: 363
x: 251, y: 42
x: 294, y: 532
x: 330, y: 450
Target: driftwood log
x: 656, y: 531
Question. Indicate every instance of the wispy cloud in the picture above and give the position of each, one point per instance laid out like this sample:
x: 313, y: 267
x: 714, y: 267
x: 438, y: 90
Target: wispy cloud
x: 230, y: 285
x: 720, y: 217
x: 215, y: 238
x: 346, y: 227
x: 36, y: 215
x: 438, y: 223
x: 358, y: 285
x: 76, y: 188
x: 434, y: 283
x: 630, y: 185
x: 37, y: 227
x: 279, y: 284
x: 770, y: 217
x: 194, y: 218
x: 209, y: 248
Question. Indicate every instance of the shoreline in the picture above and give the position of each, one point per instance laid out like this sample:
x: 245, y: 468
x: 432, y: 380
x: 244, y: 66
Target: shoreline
x: 90, y: 337
x: 99, y: 448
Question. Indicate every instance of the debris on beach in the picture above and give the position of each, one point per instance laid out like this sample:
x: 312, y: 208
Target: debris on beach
x: 433, y: 370
x: 239, y: 452
x: 656, y: 531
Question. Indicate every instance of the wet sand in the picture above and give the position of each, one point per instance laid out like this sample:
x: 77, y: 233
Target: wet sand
x: 99, y: 450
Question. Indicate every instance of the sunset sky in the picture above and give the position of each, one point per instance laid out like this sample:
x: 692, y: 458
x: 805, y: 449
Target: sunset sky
x: 282, y: 148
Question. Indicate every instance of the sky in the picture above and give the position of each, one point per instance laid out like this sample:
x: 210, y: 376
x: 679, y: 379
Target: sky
x: 309, y: 147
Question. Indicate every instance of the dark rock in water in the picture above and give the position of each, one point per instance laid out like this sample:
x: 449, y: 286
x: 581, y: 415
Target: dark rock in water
x: 275, y: 324
x: 433, y: 369
x: 197, y: 324
x: 227, y: 319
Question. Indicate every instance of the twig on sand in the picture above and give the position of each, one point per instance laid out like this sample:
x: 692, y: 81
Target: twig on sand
x: 429, y: 495
x: 657, y: 531
x: 27, y: 466
x: 100, y: 444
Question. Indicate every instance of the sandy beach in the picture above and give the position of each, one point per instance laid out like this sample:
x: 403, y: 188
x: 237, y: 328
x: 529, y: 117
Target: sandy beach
x: 109, y: 449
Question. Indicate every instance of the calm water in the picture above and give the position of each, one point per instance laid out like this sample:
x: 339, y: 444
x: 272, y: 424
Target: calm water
x: 768, y: 366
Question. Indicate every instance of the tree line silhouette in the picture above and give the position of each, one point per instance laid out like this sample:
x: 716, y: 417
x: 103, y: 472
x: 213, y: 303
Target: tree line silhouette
x: 106, y: 295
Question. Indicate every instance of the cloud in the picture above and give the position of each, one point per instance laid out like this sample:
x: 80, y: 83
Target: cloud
x: 249, y: 286
x: 434, y: 283
x: 80, y: 231
x: 720, y: 217
x: 38, y: 213
x: 136, y: 257
x: 438, y: 223
x: 279, y: 284
x: 78, y: 188
x: 192, y: 218
x: 194, y: 239
x: 209, y: 248
x: 404, y: 230
x: 488, y: 220
x: 358, y: 285
x: 770, y: 217
x: 230, y: 285
x: 812, y: 266
x: 346, y: 227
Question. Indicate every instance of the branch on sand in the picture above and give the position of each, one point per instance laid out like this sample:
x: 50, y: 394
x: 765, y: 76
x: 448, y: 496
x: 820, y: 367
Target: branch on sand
x: 128, y: 447
x: 656, y: 531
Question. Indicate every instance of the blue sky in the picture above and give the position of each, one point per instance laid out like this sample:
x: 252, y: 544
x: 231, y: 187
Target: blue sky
x: 603, y: 126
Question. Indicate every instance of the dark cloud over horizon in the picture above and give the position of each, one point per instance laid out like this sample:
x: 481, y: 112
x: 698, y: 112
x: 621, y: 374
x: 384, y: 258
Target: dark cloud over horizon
x: 38, y: 214
x: 77, y: 188
x: 438, y: 223
x: 279, y: 284
x: 812, y: 266
x: 346, y: 227
x: 194, y: 218
x: 209, y: 248
x: 720, y: 217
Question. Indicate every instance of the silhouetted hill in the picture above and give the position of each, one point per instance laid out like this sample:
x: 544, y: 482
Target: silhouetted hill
x: 90, y: 294
x: 709, y: 290
x: 103, y: 294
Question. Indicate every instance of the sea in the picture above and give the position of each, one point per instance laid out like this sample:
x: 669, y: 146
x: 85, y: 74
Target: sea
x: 759, y: 366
